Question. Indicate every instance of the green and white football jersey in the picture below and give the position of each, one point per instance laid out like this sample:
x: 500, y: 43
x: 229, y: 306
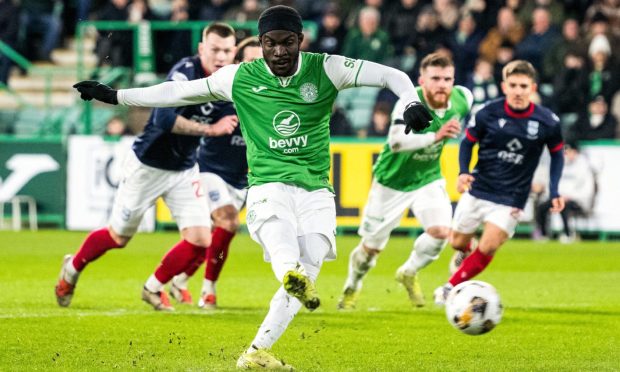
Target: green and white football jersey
x: 288, y: 136
x: 284, y: 120
x: 410, y: 170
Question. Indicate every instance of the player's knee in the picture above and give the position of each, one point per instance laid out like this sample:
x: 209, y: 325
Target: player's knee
x: 459, y: 242
x: 228, y: 224
x: 120, y: 240
x: 227, y: 218
x: 198, y: 236
x: 371, y: 252
x: 439, y: 232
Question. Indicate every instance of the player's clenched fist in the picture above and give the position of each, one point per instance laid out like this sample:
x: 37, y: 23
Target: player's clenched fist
x: 90, y: 89
x: 224, y: 126
x: 450, y: 129
x: 463, y: 184
x: 417, y: 117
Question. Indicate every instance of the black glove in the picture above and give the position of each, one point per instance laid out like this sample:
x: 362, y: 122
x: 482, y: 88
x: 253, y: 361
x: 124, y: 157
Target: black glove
x: 90, y: 89
x: 417, y: 117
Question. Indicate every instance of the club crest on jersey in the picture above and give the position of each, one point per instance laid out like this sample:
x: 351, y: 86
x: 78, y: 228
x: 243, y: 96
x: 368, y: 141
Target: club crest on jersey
x: 286, y: 123
x: 501, y: 122
x: 532, y: 129
x: 214, y: 195
x: 308, y: 92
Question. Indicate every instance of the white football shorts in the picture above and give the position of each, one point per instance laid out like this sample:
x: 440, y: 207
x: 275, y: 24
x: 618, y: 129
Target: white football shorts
x: 385, y: 207
x: 471, y: 212
x: 140, y: 187
x: 308, y: 211
x: 219, y: 193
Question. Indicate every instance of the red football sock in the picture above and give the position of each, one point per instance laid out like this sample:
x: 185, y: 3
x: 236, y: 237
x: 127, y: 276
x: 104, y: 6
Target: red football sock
x: 95, y: 245
x: 471, y: 266
x: 194, y: 265
x: 217, y: 253
x: 177, y: 260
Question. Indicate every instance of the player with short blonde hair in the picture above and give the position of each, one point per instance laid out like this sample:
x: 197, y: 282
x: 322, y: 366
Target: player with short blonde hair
x: 511, y: 133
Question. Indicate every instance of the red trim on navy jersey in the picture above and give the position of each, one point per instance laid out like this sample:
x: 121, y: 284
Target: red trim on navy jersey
x: 557, y: 148
x: 470, y: 136
x: 519, y: 115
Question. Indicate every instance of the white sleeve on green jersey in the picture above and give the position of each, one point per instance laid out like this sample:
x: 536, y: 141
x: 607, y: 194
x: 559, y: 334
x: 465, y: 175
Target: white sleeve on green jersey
x: 348, y: 73
x: 217, y: 87
x: 468, y: 95
x: 398, y: 140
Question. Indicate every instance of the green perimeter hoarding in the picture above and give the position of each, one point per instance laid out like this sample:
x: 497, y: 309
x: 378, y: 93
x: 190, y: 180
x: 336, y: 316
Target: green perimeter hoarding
x: 37, y: 168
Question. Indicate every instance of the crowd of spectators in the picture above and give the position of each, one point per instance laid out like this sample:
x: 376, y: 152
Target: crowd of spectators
x: 574, y: 44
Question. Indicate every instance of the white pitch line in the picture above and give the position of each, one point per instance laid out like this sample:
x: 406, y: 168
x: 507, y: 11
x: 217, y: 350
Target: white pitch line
x: 116, y: 313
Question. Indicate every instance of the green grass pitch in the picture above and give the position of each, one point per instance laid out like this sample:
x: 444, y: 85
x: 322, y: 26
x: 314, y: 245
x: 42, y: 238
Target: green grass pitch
x: 562, y: 312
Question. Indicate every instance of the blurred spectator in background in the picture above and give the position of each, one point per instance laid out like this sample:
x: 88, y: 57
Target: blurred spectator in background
x: 339, y: 124
x: 482, y: 84
x: 116, y: 128
x: 398, y: 20
x: 331, y: 32
x: 249, y: 10
x: 538, y: 41
x: 213, y: 10
x: 599, y: 25
x: 506, y: 29
x: 172, y: 45
x: 115, y: 47
x: 577, y: 187
x: 610, y: 9
x: 352, y: 18
x: 83, y: 9
x: 447, y: 13
x: 595, y: 123
x: 368, y: 41
x: 555, y: 8
x: 483, y: 11
x: 426, y: 37
x: 9, y: 27
x: 464, y: 43
x: 602, y: 72
x: 39, y: 18
x: 503, y: 55
x: 569, y: 93
x: 570, y: 40
x: 380, y: 122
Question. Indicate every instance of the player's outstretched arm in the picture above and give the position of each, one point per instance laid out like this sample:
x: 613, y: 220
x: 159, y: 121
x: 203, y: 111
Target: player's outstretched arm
x: 348, y: 73
x: 217, y: 87
x: 416, y: 116
x: 90, y: 89
x: 400, y: 141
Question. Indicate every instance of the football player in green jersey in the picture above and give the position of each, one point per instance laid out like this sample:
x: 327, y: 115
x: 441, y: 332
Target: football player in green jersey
x: 284, y: 103
x: 407, y: 176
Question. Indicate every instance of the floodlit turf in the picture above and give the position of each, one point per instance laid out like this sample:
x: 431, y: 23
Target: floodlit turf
x: 562, y: 312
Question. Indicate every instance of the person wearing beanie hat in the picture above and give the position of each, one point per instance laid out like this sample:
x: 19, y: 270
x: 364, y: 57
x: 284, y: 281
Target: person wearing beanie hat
x: 284, y: 101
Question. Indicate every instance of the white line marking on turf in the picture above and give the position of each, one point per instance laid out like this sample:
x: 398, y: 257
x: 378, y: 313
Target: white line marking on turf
x: 114, y: 313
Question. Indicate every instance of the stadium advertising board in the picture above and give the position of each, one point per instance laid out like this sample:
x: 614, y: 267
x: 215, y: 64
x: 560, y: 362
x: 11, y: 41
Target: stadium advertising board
x: 35, y: 168
x: 94, y: 171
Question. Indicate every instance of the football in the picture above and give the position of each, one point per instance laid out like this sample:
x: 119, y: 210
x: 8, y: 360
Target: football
x: 474, y: 307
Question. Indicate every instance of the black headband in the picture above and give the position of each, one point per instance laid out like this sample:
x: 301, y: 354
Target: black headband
x: 279, y: 17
